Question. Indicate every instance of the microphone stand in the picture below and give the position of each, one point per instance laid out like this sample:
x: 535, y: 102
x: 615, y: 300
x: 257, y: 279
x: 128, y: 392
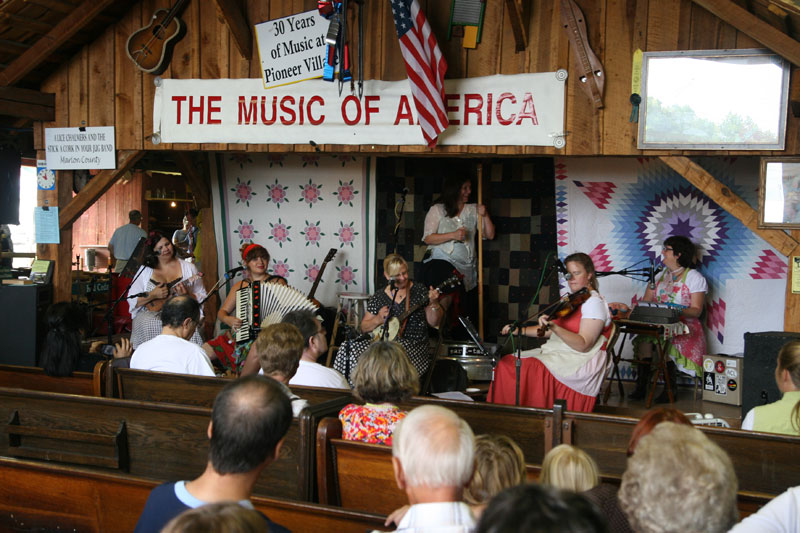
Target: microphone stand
x: 217, y: 286
x: 110, y: 313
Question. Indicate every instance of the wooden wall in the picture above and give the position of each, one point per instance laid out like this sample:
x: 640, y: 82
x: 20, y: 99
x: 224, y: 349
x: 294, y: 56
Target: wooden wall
x: 97, y: 224
x: 100, y: 86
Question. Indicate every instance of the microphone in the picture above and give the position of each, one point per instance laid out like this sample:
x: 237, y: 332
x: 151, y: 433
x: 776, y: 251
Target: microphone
x: 139, y: 295
x: 391, y: 283
x: 653, y: 272
x: 563, y: 270
x: 232, y: 272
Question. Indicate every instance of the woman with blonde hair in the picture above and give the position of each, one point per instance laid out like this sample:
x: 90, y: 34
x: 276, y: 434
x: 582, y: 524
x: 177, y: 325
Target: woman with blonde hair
x: 220, y: 517
x: 383, y: 377
x: 499, y: 464
x: 399, y: 295
x: 782, y: 416
x: 569, y: 468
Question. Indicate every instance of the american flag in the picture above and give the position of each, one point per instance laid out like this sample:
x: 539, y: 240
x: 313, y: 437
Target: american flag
x: 425, y: 66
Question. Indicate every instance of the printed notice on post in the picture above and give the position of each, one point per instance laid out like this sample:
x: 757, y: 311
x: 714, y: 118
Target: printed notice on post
x: 292, y: 48
x: 80, y: 148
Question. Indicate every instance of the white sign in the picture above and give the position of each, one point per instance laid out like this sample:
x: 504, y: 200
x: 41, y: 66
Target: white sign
x: 292, y: 48
x: 521, y: 109
x: 72, y: 149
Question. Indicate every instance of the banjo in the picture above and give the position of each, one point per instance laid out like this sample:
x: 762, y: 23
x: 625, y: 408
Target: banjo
x: 394, y: 323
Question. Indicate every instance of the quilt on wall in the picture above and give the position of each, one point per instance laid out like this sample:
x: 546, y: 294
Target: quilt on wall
x: 620, y: 210
x: 299, y: 207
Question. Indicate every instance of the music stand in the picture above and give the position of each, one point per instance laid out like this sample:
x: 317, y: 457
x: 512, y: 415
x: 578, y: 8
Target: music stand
x: 476, y: 338
x: 131, y: 267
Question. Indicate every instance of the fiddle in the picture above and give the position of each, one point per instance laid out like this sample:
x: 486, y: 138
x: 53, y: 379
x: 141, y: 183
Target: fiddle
x: 565, y: 307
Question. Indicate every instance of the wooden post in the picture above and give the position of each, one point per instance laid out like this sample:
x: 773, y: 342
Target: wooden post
x: 60, y: 253
x: 480, y: 251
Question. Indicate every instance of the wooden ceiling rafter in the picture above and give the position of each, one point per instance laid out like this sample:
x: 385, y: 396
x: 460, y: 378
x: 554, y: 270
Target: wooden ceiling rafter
x: 26, y: 103
x: 730, y: 202
x: 96, y: 187
x: 237, y: 23
x: 59, y: 34
x: 755, y: 28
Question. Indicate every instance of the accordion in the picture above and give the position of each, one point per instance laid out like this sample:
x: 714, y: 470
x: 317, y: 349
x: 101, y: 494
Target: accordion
x: 261, y: 304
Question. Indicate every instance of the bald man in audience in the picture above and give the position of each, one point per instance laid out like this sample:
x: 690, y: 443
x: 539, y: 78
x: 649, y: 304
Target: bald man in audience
x: 249, y: 421
x: 433, y: 454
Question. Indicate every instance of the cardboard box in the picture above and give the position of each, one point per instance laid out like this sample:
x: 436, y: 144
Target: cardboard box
x: 722, y: 378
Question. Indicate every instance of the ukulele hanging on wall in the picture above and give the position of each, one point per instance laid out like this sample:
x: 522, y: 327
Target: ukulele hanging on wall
x: 150, y: 47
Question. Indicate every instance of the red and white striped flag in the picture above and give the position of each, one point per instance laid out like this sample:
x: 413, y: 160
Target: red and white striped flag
x: 425, y: 66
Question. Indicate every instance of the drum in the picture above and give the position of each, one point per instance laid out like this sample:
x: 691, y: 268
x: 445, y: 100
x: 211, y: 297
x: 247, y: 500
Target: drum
x: 471, y: 359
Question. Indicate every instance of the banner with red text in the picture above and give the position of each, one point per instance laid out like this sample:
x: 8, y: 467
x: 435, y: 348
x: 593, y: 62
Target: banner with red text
x: 521, y: 109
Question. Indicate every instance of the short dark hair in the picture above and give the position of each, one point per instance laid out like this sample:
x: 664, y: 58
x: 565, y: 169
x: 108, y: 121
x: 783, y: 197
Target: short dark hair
x: 683, y: 248
x: 304, y: 320
x: 249, y: 418
x: 178, y: 308
x: 135, y: 216
x: 541, y: 509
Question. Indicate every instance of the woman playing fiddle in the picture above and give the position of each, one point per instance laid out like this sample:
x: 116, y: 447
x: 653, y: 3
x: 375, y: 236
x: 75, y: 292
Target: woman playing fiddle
x: 160, y: 267
x: 414, y: 337
x: 682, y: 285
x: 256, y: 262
x: 572, y: 363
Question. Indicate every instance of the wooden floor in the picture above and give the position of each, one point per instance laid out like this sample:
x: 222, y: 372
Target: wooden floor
x: 686, y: 402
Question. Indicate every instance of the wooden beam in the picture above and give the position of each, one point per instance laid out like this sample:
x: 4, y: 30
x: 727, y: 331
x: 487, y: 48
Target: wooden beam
x: 236, y: 19
x: 754, y: 27
x: 519, y: 15
x: 729, y: 201
x: 196, y: 173
x: 35, y: 105
x: 58, y: 35
x: 97, y: 186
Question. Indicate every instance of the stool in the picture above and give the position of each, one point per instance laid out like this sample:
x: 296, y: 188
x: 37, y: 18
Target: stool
x: 354, y: 306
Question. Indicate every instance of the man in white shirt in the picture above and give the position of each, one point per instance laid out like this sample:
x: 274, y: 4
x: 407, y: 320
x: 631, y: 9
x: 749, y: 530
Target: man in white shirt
x: 433, y: 455
x: 171, y: 351
x: 310, y: 373
x: 124, y: 240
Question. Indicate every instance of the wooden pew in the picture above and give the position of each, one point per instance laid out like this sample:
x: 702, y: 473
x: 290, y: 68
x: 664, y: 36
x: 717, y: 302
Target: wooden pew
x: 34, y: 378
x: 148, y: 386
x: 45, y: 497
x: 359, y: 476
x: 765, y: 463
x: 152, y: 440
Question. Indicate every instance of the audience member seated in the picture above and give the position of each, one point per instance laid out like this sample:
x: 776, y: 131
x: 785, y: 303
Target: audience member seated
x: 310, y: 373
x: 383, y: 377
x: 499, y: 464
x: 278, y: 348
x: 782, y: 416
x: 781, y: 515
x: 542, y: 509
x: 678, y: 481
x: 604, y: 495
x: 171, y: 351
x: 62, y: 352
x: 433, y: 455
x: 248, y: 423
x: 569, y: 468
x: 223, y: 517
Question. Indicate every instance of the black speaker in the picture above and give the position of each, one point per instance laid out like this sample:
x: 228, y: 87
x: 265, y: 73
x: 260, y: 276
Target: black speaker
x: 9, y: 185
x: 22, y: 311
x: 760, y: 358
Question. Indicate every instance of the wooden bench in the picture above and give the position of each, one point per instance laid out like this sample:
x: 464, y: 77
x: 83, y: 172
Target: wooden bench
x: 46, y: 497
x: 149, y: 386
x: 359, y: 476
x: 151, y: 440
x: 765, y: 463
x: 34, y: 378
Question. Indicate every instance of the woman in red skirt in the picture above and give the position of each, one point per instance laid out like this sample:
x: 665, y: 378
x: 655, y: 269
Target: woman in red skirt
x: 573, y: 361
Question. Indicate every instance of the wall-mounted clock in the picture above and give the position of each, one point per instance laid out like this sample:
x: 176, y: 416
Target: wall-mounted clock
x: 45, y: 179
